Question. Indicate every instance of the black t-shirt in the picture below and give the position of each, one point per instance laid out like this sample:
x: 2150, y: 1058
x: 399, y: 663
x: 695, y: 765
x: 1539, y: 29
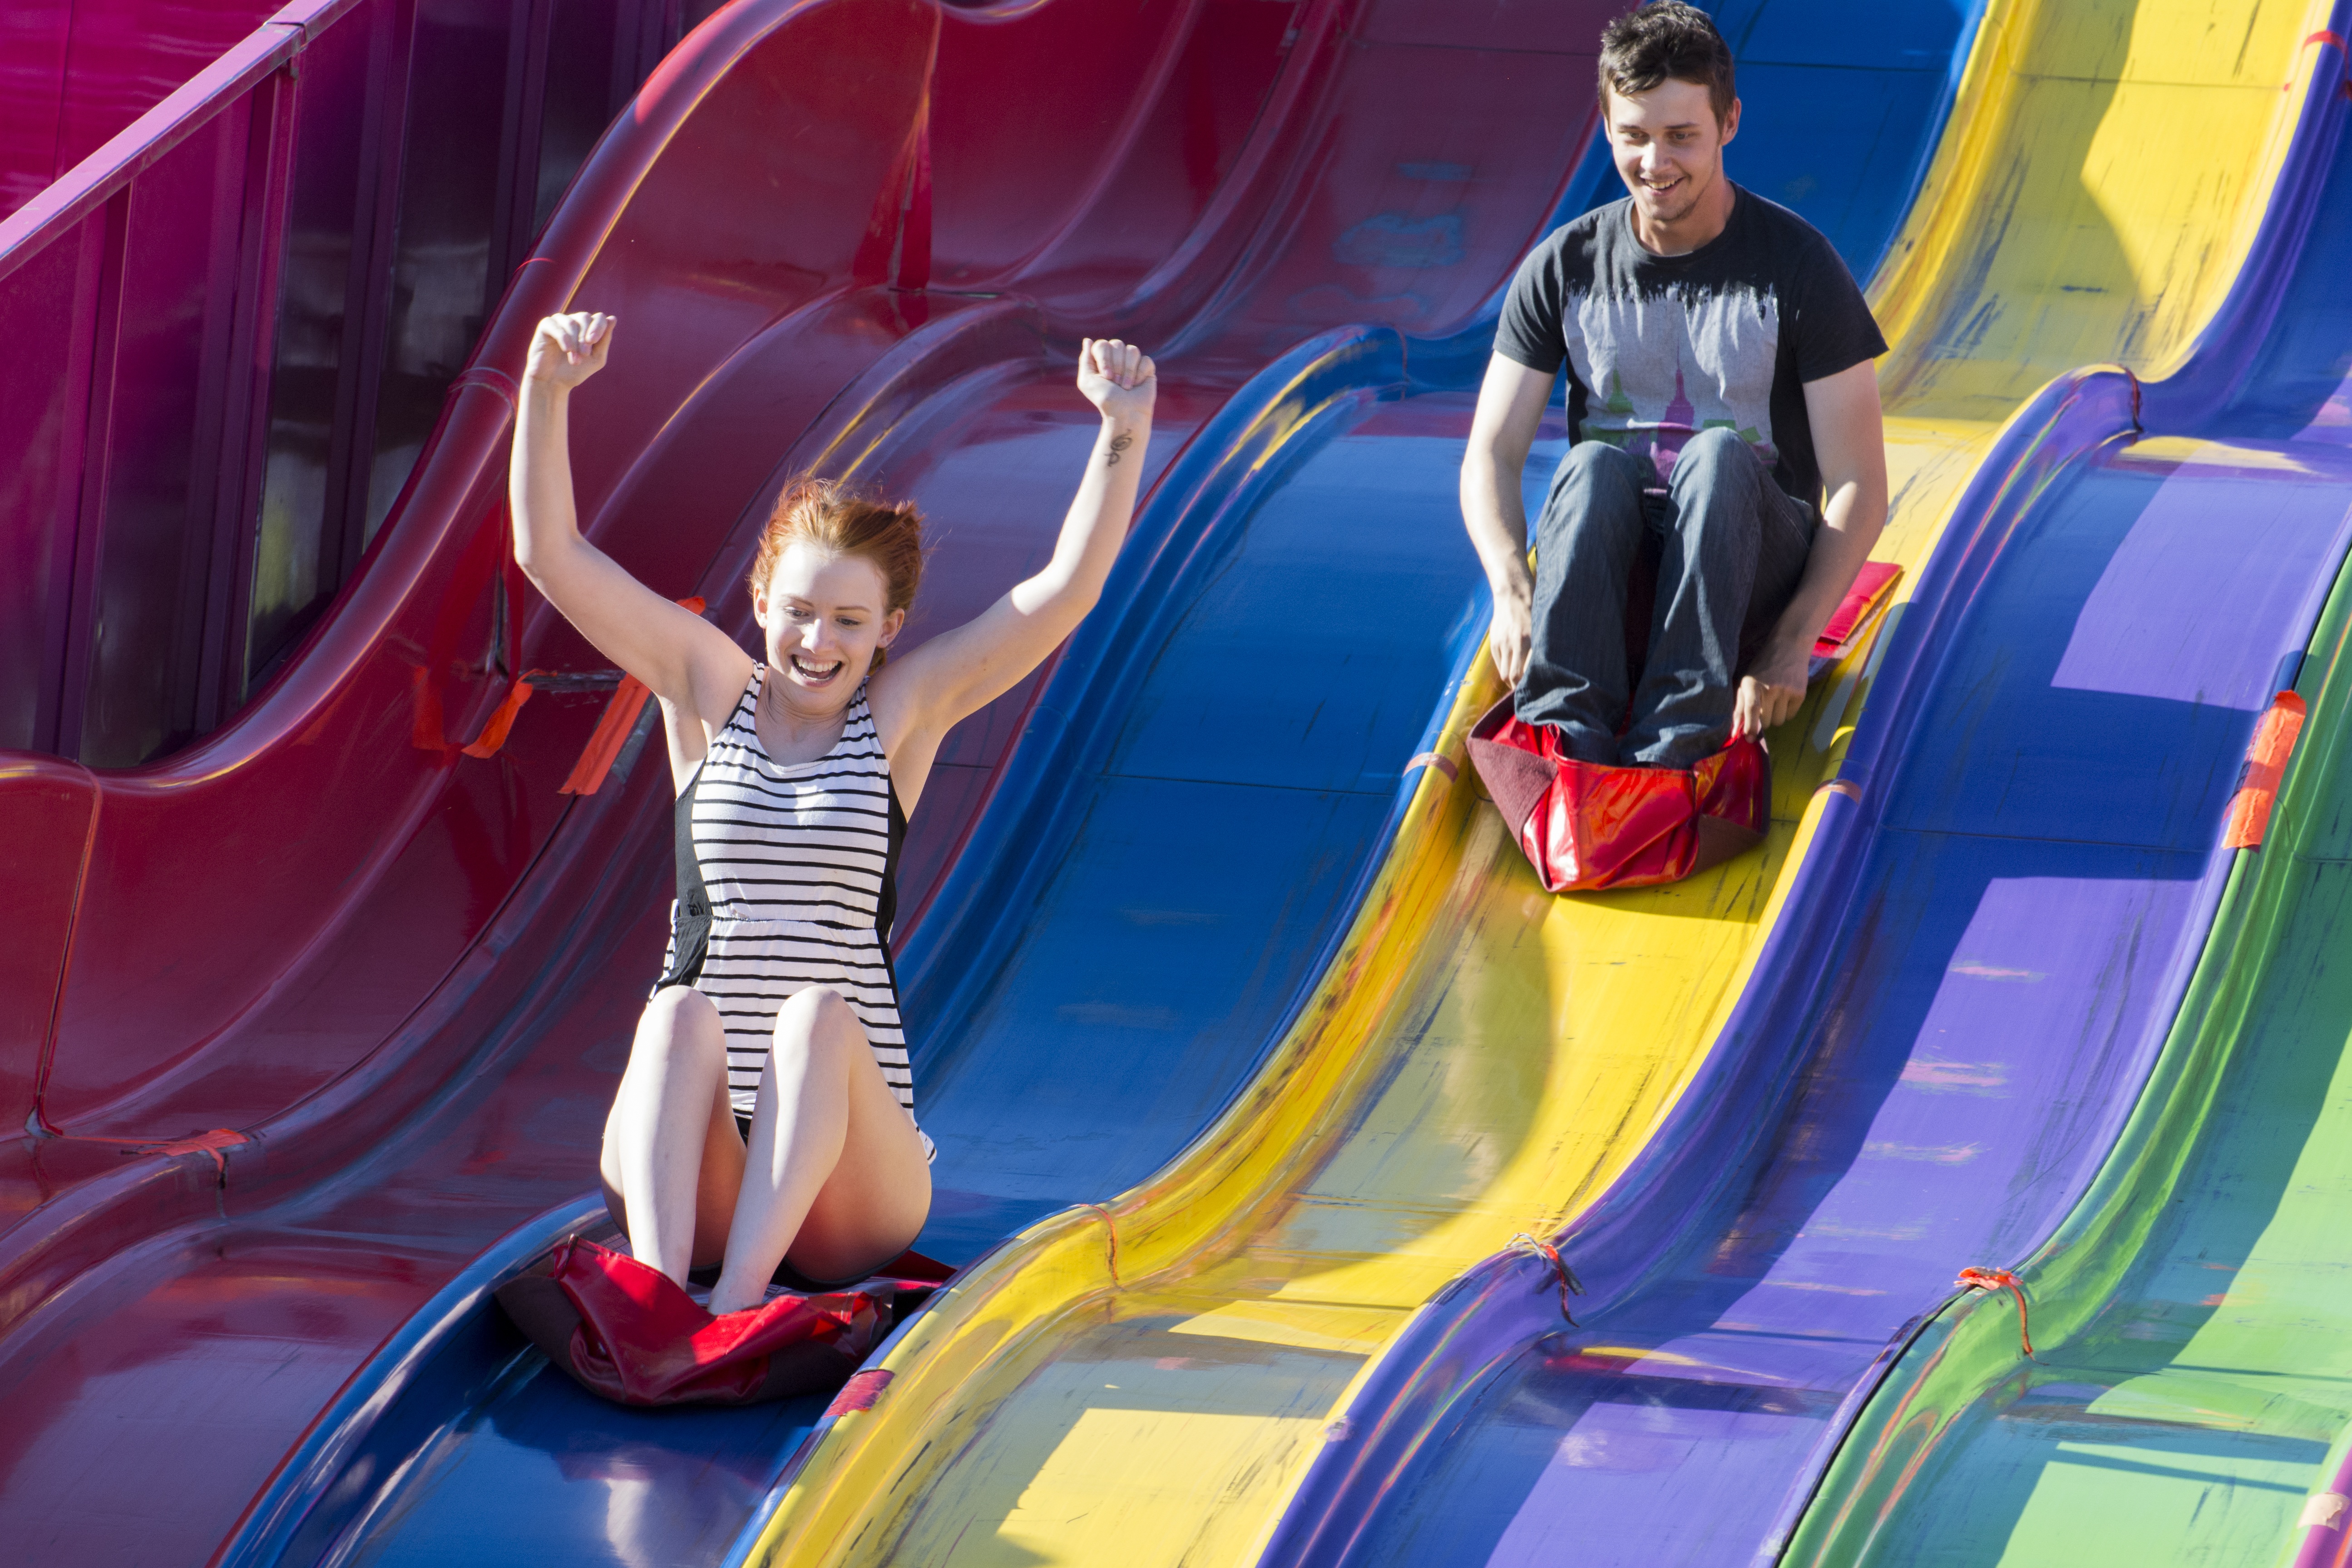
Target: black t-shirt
x: 1662, y: 347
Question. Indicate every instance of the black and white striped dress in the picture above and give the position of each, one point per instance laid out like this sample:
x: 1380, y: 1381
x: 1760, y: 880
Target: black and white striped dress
x: 787, y: 878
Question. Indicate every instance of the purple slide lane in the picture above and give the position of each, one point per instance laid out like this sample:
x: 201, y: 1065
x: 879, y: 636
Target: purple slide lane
x: 2010, y: 883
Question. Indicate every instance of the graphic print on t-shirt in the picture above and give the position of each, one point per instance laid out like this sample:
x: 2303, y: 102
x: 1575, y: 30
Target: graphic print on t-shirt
x: 1659, y: 348
x: 1666, y: 365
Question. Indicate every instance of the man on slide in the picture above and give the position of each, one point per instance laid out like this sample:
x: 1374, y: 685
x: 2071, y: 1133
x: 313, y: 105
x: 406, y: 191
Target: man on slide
x: 1719, y: 375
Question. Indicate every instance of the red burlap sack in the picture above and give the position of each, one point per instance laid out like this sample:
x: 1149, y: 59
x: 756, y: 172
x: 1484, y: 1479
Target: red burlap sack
x: 625, y: 1331
x: 1584, y: 827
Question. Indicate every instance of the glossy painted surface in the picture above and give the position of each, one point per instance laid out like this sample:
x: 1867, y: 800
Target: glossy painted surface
x: 1421, y: 1111
x: 471, y: 1079
x: 2187, y: 1317
x: 1940, y: 1042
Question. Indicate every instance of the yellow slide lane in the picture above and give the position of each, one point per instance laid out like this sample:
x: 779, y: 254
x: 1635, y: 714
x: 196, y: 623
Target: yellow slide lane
x: 1482, y: 1059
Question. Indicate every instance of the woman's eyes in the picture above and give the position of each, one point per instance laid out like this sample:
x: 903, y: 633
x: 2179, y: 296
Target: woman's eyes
x: 799, y: 613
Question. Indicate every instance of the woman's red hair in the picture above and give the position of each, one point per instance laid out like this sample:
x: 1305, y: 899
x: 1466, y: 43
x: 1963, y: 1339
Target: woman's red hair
x: 827, y: 515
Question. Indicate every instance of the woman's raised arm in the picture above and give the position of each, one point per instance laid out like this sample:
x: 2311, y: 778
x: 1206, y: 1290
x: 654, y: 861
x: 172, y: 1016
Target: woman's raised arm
x: 960, y: 671
x: 686, y: 661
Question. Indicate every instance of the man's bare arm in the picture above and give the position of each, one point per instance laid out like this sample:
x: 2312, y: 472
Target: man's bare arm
x: 1510, y: 411
x: 1851, y: 446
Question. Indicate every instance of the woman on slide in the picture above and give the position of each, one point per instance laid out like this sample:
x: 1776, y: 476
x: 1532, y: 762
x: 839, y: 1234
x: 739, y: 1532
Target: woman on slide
x: 766, y: 1113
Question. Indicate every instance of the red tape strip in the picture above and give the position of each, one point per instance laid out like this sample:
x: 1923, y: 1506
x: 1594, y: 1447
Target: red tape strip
x: 1113, y: 1228
x: 1523, y: 1242
x: 503, y: 718
x: 2266, y: 759
x: 214, y: 1143
x: 1443, y: 764
x: 1997, y: 1280
x: 612, y: 727
x: 860, y: 1391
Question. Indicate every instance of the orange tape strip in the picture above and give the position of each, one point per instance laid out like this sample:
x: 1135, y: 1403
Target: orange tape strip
x: 2266, y: 758
x: 1566, y: 1276
x: 1995, y: 1279
x: 494, y: 733
x: 213, y: 1143
x: 860, y: 1391
x: 620, y: 716
x: 612, y: 727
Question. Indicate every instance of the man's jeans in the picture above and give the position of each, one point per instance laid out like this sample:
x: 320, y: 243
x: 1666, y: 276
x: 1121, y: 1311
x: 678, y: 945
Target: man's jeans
x: 1733, y: 547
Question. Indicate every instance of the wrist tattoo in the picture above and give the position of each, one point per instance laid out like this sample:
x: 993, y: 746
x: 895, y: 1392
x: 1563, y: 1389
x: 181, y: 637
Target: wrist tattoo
x: 1118, y: 444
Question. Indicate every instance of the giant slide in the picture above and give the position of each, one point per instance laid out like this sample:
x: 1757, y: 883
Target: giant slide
x: 1188, y: 862
x: 1265, y: 1351
x: 1181, y: 895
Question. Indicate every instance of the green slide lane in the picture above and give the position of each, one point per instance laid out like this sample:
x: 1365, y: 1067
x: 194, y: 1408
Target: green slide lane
x: 2193, y: 1320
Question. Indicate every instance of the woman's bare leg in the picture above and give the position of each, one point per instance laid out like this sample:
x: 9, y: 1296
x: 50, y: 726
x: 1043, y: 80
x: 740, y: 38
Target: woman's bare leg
x: 672, y: 1158
x: 835, y: 1174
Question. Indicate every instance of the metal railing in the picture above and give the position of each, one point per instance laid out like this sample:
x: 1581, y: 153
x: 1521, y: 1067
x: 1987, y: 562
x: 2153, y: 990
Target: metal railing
x: 231, y: 328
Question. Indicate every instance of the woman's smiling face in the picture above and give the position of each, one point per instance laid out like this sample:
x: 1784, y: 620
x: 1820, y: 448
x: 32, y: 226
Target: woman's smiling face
x: 824, y: 615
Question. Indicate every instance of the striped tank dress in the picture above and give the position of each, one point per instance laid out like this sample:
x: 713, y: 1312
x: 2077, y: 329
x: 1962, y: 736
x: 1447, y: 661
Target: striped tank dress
x: 787, y: 877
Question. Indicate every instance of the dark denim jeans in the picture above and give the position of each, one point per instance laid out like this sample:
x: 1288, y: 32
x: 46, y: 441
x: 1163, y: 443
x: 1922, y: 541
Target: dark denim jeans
x: 1733, y: 547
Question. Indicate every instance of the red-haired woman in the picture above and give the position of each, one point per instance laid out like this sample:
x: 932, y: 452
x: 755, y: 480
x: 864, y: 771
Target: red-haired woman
x: 766, y: 1113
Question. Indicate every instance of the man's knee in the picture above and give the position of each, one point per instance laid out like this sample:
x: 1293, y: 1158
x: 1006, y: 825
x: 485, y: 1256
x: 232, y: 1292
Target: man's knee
x: 1599, y: 464
x: 1713, y: 460
x: 1596, y: 486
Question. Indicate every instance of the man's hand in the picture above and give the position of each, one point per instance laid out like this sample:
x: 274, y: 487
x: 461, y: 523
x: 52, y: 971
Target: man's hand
x: 1771, y: 692
x: 1512, y: 631
x: 1511, y: 410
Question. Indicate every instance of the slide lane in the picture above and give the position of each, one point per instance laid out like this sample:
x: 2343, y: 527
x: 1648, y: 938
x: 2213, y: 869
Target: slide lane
x: 407, y: 1025
x: 2012, y: 878
x: 2192, y: 1387
x: 442, y: 1441
x: 1083, y: 1391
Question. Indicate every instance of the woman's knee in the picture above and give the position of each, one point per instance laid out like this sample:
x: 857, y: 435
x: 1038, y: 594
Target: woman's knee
x: 679, y: 1030
x: 677, y: 1004
x: 815, y: 1018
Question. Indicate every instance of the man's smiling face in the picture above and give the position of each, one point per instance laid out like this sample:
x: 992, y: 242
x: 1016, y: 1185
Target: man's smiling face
x: 1668, y: 148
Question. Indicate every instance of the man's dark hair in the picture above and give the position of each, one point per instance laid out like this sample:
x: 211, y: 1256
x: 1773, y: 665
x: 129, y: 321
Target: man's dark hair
x: 1666, y: 40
